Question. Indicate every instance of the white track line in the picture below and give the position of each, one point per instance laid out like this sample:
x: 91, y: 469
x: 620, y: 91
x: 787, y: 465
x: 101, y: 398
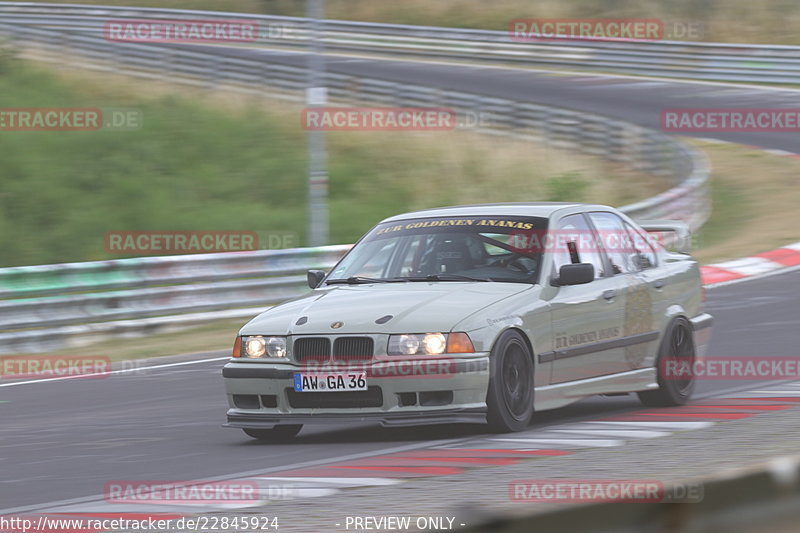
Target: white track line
x: 581, y: 443
x: 121, y: 371
x: 622, y: 433
x: 665, y: 425
x: 339, y: 482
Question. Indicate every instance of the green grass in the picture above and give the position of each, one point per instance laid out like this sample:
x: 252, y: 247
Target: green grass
x: 191, y: 167
x: 60, y: 188
x: 753, y: 194
x: 214, y: 162
x: 729, y: 202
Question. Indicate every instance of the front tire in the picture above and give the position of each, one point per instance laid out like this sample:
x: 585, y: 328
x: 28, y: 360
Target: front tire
x: 677, y: 347
x: 509, y: 399
x: 282, y: 433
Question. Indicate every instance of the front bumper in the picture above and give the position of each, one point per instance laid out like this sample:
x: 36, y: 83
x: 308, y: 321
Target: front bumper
x: 240, y: 419
x: 450, y: 390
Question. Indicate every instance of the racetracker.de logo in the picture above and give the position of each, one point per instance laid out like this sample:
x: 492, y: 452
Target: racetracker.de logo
x: 435, y: 368
x: 532, y: 30
x: 731, y: 368
x: 181, y: 31
x: 179, y: 242
x: 69, y: 119
x: 52, y: 366
x: 378, y: 119
x: 730, y: 119
x: 602, y: 490
x: 181, y: 492
x: 618, y: 241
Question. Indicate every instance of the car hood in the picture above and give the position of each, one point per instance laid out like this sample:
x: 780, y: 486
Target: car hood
x: 416, y: 307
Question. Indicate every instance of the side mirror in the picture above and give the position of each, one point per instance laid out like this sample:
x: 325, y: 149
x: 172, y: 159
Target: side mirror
x: 576, y: 274
x: 315, y: 277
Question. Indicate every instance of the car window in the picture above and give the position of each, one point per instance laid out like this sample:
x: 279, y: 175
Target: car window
x: 617, y: 242
x: 646, y: 254
x: 574, y: 228
x: 412, y: 254
x: 372, y: 264
x: 477, y: 247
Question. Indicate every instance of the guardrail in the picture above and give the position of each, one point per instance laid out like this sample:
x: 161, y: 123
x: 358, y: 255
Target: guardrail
x: 683, y: 59
x: 44, y: 306
x: 125, y: 294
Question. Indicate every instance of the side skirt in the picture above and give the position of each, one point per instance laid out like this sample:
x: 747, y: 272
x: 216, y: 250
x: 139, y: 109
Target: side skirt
x: 561, y: 394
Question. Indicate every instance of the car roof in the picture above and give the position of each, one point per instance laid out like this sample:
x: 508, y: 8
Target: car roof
x: 525, y: 209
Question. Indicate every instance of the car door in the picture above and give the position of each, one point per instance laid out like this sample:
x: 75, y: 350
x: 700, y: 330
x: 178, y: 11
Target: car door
x: 651, y: 297
x: 629, y: 265
x: 586, y: 319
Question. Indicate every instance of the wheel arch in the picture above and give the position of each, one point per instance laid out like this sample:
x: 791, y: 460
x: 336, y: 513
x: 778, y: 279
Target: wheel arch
x: 524, y: 336
x: 669, y: 321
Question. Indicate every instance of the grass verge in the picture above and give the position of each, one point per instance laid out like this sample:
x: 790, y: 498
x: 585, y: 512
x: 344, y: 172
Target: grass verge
x: 197, y: 339
x: 213, y: 161
x: 754, y: 196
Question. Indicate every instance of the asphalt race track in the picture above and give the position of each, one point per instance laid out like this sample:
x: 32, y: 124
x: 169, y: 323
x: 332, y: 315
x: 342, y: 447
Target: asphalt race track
x: 636, y: 100
x: 63, y: 440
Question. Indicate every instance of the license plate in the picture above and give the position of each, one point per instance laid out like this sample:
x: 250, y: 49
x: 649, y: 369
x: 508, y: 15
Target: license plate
x: 330, y: 382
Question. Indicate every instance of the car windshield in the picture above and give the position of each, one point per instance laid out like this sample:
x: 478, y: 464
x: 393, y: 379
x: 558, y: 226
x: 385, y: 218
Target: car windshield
x: 444, y: 249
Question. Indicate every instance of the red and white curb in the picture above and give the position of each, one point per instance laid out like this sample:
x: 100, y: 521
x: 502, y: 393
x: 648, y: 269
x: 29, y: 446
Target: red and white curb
x: 608, y: 431
x: 552, y: 441
x: 757, y: 265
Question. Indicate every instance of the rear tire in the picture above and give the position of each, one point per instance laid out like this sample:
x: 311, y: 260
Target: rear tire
x: 509, y: 399
x: 678, y: 345
x: 276, y: 434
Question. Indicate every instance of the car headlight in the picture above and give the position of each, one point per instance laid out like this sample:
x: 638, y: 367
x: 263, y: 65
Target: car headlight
x: 258, y: 346
x: 429, y: 344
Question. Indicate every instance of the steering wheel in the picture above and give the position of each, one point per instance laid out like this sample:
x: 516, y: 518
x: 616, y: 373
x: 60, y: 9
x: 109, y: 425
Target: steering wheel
x: 512, y: 263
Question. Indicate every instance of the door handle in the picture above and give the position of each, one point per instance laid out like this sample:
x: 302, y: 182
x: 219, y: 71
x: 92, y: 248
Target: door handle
x: 610, y: 294
x: 659, y: 283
